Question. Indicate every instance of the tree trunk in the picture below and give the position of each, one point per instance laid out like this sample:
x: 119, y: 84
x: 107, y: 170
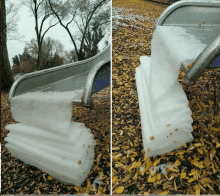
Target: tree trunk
x: 6, y: 73
x: 38, y: 60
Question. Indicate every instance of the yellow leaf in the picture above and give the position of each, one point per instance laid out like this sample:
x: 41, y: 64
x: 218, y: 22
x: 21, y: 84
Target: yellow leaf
x: 159, y: 176
x: 119, y: 57
x: 203, y: 105
x: 197, y: 188
x: 135, y: 176
x: 191, y: 180
x: 115, y: 148
x: 44, y: 177
x: 149, y: 165
x: 197, y: 144
x: 192, y: 173
x: 200, y: 151
x: 170, y: 153
x: 183, y: 175
x: 126, y: 178
x: 213, y: 169
x: 163, y: 193
x: 210, y: 187
x: 119, y: 190
x: 177, y: 162
x: 99, y: 191
x: 135, y: 165
x: 201, y: 140
x: 175, y: 185
x: 114, y: 179
x: 184, y: 145
x: 76, y: 188
x: 156, y: 162
x: 119, y: 165
x: 117, y: 156
x: 50, y: 178
x: 152, y: 179
x: 172, y: 169
x: 152, y: 138
x: 206, y: 181
x: 198, y: 164
x: 215, y: 129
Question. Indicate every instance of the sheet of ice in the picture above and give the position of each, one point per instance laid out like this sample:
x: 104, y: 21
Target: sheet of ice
x: 165, y: 116
x: 46, y: 138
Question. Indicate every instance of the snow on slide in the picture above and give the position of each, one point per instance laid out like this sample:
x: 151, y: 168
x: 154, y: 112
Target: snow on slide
x: 46, y: 138
x: 165, y: 116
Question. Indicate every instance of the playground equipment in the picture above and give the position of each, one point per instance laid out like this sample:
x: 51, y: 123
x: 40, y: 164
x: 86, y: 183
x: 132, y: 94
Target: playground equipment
x: 186, y: 35
x: 42, y: 102
x: 91, y: 75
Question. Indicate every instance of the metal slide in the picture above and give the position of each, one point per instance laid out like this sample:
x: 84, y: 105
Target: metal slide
x: 187, y: 33
x: 92, y: 75
x: 199, y: 30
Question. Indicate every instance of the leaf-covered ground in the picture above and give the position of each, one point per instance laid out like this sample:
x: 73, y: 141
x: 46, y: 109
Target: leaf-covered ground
x: 197, y: 164
x: 20, y: 178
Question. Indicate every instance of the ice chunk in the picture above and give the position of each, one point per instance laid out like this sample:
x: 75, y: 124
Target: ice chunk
x: 165, y: 116
x: 162, y: 167
x: 46, y: 138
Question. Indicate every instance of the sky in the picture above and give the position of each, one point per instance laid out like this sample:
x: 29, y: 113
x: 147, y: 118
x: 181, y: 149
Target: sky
x: 26, y: 27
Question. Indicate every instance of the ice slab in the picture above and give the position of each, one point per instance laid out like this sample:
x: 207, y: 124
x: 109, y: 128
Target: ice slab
x: 165, y: 116
x: 46, y: 138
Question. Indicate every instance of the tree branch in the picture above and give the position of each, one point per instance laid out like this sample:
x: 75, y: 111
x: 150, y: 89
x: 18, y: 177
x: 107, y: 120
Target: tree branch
x: 67, y: 29
x: 89, y: 19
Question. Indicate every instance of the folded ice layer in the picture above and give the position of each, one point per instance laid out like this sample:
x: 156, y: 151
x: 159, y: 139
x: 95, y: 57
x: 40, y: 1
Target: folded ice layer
x: 51, y: 111
x: 165, y: 116
x: 66, y: 154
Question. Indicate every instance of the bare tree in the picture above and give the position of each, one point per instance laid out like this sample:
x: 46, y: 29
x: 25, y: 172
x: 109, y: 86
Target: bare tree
x: 11, y: 20
x: 73, y: 11
x: 50, y: 47
x: 96, y: 30
x: 6, y: 73
x: 40, y: 9
x: 70, y: 56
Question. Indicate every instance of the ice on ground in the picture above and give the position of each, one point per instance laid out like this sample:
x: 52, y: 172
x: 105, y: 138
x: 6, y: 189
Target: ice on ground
x: 46, y: 138
x: 97, y: 181
x: 119, y: 15
x: 162, y: 168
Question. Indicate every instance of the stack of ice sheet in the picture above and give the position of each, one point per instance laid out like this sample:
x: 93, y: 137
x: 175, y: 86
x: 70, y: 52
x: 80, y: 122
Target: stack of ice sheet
x: 165, y: 116
x: 46, y: 137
